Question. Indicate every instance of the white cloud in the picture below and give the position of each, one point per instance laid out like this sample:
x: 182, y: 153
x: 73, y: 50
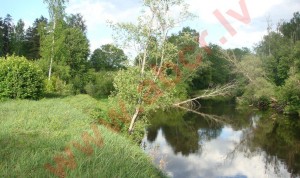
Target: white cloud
x: 97, y: 12
x: 205, y: 9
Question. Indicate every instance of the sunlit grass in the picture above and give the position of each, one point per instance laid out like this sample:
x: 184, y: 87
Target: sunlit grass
x: 32, y: 133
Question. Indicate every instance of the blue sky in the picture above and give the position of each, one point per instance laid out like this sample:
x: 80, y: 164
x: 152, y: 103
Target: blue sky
x: 97, y: 12
x: 28, y: 10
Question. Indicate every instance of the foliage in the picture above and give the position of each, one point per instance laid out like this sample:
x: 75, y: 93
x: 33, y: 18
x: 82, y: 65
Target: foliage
x: 101, y: 84
x: 155, y: 94
x: 257, y: 89
x: 275, y: 51
x: 20, y: 78
x: 258, y: 92
x: 128, y: 92
x: 58, y: 86
x: 6, y: 36
x: 141, y: 87
x: 19, y: 38
x: 67, y: 59
x: 291, y: 29
x: 76, y: 21
x: 214, y: 70
x: 108, y: 57
x: 33, y: 37
x: 290, y: 94
x: 279, y: 53
x: 75, y: 57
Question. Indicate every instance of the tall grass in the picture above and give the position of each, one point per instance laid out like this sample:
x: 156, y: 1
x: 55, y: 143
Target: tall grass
x: 32, y: 133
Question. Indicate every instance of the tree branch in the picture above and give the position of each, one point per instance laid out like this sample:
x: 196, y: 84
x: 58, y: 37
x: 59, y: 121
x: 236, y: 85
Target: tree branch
x: 218, y: 91
x: 215, y: 118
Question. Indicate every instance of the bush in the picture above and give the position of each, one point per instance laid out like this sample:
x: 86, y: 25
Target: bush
x: 290, y: 94
x: 57, y: 86
x: 263, y: 102
x: 101, y: 85
x: 259, y: 93
x: 20, y: 79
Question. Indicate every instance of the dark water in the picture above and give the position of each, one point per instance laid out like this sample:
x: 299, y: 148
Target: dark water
x: 222, y: 141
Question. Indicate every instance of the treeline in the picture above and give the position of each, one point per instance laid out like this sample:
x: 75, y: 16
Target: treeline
x: 15, y: 39
x: 266, y: 77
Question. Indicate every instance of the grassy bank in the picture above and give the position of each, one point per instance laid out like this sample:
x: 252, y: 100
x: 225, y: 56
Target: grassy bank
x: 32, y: 133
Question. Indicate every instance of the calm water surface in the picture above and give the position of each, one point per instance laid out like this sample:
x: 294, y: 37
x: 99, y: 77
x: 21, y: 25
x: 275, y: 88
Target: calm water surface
x: 240, y: 144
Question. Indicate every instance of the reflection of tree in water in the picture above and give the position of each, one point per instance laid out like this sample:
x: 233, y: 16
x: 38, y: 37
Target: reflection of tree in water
x: 182, y: 130
x: 275, y: 138
x: 152, y: 132
x: 278, y: 137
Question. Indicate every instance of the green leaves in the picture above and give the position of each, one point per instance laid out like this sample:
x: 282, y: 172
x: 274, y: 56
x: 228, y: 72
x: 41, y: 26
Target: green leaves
x: 290, y: 93
x: 108, y: 57
x: 20, y: 78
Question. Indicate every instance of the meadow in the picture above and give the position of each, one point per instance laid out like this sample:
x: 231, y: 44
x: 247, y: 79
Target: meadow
x: 33, y: 133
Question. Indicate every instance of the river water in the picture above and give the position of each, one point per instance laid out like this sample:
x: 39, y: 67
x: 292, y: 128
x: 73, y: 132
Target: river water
x: 222, y: 141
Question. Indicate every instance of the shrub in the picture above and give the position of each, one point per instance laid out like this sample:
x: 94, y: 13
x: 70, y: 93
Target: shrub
x: 57, y: 86
x: 290, y: 94
x: 20, y: 79
x: 259, y: 93
x: 101, y: 85
x: 263, y: 102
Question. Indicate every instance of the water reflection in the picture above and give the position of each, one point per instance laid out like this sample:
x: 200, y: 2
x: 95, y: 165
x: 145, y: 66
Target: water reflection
x: 252, y: 145
x: 182, y: 131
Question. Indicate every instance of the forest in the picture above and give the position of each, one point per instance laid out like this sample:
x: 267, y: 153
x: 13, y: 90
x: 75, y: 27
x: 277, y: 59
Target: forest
x: 52, y: 59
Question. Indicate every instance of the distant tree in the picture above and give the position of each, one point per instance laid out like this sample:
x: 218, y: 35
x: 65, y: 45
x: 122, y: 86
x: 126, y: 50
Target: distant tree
x: 76, y: 49
x: 214, y: 71
x: 33, y: 38
x: 7, y: 38
x: 291, y: 29
x: 185, y: 30
x: 275, y: 50
x: 76, y: 21
x: 19, y: 38
x: 1, y: 36
x: 108, y: 57
x: 240, y: 52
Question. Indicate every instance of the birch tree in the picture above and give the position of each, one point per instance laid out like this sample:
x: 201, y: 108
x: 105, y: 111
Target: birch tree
x: 56, y: 9
x: 158, y: 18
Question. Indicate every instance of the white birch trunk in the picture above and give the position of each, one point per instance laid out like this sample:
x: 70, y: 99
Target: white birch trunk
x: 52, y: 51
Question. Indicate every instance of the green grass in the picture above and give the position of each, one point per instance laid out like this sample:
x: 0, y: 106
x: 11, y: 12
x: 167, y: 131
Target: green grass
x: 32, y: 133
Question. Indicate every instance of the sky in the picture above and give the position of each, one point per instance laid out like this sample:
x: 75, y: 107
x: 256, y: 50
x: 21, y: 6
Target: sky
x: 97, y: 12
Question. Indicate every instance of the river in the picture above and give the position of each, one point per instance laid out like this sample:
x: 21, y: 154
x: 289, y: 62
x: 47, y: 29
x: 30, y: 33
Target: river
x: 223, y: 141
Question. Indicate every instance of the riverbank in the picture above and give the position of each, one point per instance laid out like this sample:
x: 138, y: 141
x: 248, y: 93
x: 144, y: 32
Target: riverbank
x: 34, y: 133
